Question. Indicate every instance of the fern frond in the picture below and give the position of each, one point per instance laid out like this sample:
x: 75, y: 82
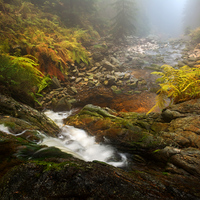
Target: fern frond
x: 178, y: 84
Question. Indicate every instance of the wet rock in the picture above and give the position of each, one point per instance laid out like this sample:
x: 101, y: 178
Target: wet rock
x: 116, y: 90
x: 111, y: 79
x: 132, y: 85
x: 127, y: 76
x: 188, y: 160
x: 91, y: 83
x: 191, y: 107
x: 78, y: 80
x: 97, y: 56
x: 184, y: 160
x: 169, y: 115
x: 9, y: 106
x: 124, y: 133
x: 90, y: 181
x: 114, y: 61
x: 62, y: 105
x: 140, y: 133
x: 93, y: 69
x: 74, y: 90
x: 15, y: 125
x: 96, y: 109
x: 108, y: 66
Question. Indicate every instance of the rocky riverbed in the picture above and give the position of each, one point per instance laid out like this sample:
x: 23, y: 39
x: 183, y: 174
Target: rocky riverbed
x: 118, y: 77
x: 162, y: 148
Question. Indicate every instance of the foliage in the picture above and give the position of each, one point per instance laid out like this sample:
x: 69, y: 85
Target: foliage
x: 21, y: 73
x: 71, y: 12
x: 42, y: 35
x: 177, y: 84
x: 123, y: 25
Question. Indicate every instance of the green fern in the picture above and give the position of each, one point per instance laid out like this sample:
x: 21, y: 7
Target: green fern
x: 178, y: 85
x: 21, y: 73
x: 51, y: 43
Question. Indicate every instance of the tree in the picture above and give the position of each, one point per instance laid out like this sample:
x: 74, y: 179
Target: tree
x: 124, y: 20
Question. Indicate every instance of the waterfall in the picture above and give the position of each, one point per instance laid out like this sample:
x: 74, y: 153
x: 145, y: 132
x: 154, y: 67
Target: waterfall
x: 77, y: 142
x: 80, y: 144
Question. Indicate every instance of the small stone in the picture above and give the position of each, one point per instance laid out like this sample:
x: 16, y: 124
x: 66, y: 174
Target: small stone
x: 93, y: 69
x: 78, y: 80
x: 74, y: 90
x: 105, y: 82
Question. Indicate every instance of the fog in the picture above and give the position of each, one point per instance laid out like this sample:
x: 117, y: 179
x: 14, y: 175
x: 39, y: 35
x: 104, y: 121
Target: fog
x: 165, y: 16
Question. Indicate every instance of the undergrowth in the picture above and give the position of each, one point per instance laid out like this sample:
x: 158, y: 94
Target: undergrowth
x: 22, y: 74
x: 178, y: 85
x: 26, y: 30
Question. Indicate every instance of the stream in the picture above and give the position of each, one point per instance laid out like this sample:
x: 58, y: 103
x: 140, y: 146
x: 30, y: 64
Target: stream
x: 77, y: 142
x: 81, y: 145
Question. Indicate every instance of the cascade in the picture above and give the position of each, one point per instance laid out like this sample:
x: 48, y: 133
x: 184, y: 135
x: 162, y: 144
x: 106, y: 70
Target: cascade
x: 77, y: 142
x: 82, y: 145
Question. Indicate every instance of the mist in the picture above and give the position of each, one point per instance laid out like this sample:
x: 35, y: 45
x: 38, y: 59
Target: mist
x: 165, y: 16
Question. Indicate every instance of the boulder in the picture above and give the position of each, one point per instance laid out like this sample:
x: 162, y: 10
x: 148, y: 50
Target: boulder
x: 62, y: 105
x: 157, y: 137
x: 10, y: 107
x: 114, y: 61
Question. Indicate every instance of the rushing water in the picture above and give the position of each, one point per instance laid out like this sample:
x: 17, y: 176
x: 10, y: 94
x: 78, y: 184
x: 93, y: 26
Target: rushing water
x: 81, y: 144
x: 77, y: 142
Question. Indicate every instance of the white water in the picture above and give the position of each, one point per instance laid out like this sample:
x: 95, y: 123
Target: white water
x: 4, y: 129
x: 80, y: 144
x: 77, y: 142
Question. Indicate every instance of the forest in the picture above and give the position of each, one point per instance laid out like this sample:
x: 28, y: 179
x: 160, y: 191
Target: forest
x: 99, y: 99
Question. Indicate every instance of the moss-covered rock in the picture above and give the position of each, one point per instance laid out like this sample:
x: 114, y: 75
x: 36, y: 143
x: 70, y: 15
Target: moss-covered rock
x: 75, y: 179
x: 126, y: 131
x: 10, y: 107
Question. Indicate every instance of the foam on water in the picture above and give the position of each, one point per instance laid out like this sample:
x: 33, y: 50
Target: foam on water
x: 4, y: 129
x: 82, y: 144
x: 77, y: 142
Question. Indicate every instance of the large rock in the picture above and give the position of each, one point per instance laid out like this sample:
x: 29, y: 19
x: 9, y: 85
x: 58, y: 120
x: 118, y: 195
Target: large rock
x: 75, y: 179
x: 150, y: 136
x: 55, y: 83
x: 10, y: 107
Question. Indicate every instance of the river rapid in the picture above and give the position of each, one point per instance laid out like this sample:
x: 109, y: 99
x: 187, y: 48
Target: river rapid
x: 80, y: 144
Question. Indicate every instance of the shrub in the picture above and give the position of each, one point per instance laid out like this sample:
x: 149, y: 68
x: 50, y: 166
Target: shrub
x: 31, y: 31
x: 21, y: 73
x: 177, y: 84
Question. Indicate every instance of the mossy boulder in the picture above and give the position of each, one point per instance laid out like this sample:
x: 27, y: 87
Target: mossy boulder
x: 10, y: 107
x: 147, y: 136
x: 126, y: 131
x: 75, y: 179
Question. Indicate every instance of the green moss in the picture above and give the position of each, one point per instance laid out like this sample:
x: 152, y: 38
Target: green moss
x: 48, y: 166
x: 11, y: 125
x: 39, y: 153
x: 90, y: 113
x: 129, y: 115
